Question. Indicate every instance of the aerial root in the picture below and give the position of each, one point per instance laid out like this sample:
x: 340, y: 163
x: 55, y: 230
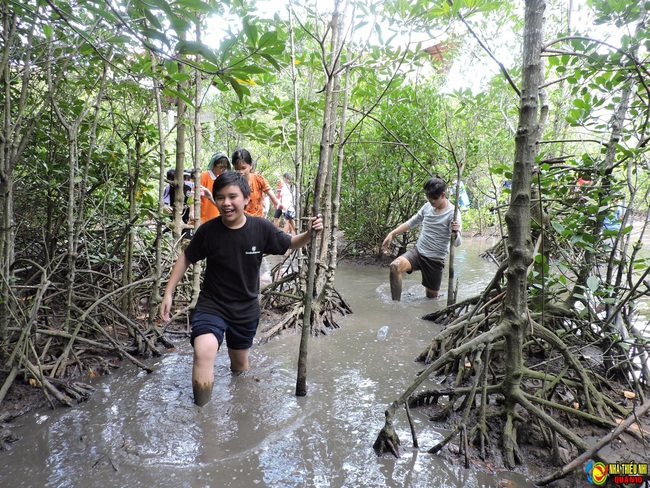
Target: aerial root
x: 387, y: 440
x: 324, y: 317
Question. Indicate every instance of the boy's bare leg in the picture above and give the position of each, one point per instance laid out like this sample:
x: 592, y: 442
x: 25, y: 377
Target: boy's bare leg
x: 431, y: 293
x: 397, y: 268
x: 205, y: 350
x: 238, y: 360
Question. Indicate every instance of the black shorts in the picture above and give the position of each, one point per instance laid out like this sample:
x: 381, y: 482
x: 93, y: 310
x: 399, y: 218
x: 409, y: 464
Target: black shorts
x: 238, y: 336
x: 431, y: 269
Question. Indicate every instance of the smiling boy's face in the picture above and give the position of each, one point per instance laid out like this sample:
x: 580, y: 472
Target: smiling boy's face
x: 231, y: 204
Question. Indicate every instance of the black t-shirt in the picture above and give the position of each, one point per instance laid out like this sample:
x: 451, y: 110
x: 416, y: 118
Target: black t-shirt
x: 232, y: 276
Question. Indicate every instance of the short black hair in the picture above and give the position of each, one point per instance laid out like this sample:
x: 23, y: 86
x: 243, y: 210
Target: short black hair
x: 228, y: 178
x: 434, y: 187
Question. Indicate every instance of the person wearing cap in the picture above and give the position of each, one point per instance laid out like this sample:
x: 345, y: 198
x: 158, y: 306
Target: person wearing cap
x: 219, y: 163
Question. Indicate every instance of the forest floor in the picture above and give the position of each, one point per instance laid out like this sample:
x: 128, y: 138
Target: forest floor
x: 24, y: 397
x: 539, y: 462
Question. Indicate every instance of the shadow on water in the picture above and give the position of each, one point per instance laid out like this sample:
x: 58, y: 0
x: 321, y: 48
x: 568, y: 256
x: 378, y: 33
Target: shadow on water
x: 143, y: 430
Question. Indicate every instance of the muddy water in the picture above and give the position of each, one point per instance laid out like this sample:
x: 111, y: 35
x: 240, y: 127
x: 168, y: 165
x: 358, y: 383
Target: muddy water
x: 143, y: 430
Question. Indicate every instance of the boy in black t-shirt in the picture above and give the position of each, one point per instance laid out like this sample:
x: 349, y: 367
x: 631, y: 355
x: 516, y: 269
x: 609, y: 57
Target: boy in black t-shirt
x: 233, y: 245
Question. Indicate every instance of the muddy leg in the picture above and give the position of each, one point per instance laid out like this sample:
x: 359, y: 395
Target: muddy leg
x: 202, y: 392
x: 395, y: 283
x: 432, y: 293
x: 238, y: 360
x: 397, y: 268
x: 205, y: 350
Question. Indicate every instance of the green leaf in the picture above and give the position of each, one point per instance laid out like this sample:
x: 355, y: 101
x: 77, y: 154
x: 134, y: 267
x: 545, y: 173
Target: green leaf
x: 104, y: 13
x: 269, y: 39
x: 251, y: 31
x: 196, y: 5
x: 271, y: 60
x: 251, y: 70
x: 593, y: 282
x: 197, y: 48
x: 175, y: 93
x: 152, y: 18
x: 380, y: 37
x: 156, y: 34
x: 240, y: 90
x: 86, y: 49
x: 180, y: 77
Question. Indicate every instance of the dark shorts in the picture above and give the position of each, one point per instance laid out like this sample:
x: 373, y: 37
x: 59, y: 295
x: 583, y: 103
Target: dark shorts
x: 238, y: 336
x: 278, y: 213
x: 431, y: 268
x: 290, y: 215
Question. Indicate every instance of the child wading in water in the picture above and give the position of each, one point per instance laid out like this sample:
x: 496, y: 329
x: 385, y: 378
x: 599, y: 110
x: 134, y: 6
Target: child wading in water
x: 233, y: 245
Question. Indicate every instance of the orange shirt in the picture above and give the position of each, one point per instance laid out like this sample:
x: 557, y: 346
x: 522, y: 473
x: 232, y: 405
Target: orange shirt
x: 259, y: 186
x: 208, y: 211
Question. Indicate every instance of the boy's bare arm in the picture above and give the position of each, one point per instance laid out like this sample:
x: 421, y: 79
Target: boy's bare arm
x: 389, y: 238
x: 300, y: 240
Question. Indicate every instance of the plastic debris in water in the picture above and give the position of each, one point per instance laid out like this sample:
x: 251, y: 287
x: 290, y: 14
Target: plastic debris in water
x: 381, y: 333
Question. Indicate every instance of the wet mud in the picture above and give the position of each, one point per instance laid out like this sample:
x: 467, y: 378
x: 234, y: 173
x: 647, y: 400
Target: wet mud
x: 143, y: 429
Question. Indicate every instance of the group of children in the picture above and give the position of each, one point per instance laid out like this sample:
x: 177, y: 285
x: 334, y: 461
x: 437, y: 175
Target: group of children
x: 242, y: 162
x: 232, y: 242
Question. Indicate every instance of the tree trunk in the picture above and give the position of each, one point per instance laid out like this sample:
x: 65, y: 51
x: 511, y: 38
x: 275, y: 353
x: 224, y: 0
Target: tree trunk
x: 451, y: 291
x: 336, y: 202
x: 18, y: 124
x: 179, y: 195
x: 297, y: 152
x: 324, y: 164
x: 133, y: 183
x: 520, y: 245
x: 198, y: 134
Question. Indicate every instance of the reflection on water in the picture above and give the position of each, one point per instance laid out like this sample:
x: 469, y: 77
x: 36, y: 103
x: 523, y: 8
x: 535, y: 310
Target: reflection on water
x: 143, y: 429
